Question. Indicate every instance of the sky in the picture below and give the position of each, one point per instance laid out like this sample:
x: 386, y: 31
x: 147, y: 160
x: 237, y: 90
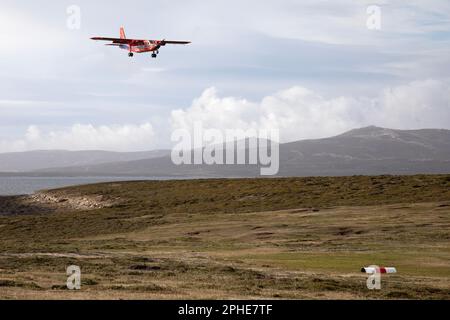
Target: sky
x: 310, y: 69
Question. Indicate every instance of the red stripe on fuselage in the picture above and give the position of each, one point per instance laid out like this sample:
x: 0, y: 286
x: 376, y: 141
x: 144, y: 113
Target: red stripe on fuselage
x: 142, y: 48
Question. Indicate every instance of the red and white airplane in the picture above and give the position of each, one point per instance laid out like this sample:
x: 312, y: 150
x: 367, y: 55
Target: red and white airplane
x: 138, y: 46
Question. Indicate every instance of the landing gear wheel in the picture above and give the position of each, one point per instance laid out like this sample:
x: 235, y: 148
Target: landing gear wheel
x: 154, y: 55
x: 130, y: 54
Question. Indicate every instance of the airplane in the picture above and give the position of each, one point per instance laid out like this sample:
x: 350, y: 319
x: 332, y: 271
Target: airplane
x: 138, y: 46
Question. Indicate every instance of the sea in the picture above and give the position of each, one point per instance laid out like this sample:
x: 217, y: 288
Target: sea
x: 28, y: 185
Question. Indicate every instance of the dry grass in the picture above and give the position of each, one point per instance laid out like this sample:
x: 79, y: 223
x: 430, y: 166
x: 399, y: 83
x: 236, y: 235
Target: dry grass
x: 243, y: 238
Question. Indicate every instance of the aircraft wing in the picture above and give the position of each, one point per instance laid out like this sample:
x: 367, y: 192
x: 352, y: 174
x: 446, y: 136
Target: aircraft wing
x: 120, y: 40
x: 175, y: 42
x: 138, y: 42
x: 164, y: 42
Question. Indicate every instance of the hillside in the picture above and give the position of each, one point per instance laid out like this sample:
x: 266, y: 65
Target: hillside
x: 41, y: 159
x: 368, y: 151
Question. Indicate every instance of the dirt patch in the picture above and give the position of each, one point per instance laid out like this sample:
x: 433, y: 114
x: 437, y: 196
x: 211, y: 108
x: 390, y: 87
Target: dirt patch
x: 48, y: 202
x: 85, y: 202
x: 55, y: 255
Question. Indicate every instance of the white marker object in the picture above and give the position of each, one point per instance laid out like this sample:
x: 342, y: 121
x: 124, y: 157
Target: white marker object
x: 381, y: 270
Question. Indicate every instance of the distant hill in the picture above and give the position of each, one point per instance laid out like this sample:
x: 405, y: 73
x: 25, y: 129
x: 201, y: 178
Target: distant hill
x: 366, y: 151
x: 41, y: 159
x: 370, y: 150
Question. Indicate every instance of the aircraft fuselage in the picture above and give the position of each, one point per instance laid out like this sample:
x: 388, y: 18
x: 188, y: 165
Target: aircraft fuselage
x: 147, y: 47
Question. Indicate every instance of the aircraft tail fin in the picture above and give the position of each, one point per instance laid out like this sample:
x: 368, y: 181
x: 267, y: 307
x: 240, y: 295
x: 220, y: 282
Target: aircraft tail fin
x: 122, y: 33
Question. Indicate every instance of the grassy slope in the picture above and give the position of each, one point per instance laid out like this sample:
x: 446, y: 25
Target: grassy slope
x: 246, y: 238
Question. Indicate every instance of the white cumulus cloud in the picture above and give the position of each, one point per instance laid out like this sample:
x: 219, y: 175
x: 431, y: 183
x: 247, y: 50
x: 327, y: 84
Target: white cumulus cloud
x: 297, y: 112
x: 84, y: 137
x: 300, y: 113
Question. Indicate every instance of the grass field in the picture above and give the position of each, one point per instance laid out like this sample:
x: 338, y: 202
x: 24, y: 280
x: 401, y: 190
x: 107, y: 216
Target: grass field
x: 230, y: 238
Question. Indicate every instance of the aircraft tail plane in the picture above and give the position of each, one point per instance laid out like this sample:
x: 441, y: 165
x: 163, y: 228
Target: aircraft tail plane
x: 122, y: 33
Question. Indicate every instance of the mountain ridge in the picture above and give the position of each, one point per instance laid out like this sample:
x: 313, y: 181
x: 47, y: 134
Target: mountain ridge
x: 361, y: 151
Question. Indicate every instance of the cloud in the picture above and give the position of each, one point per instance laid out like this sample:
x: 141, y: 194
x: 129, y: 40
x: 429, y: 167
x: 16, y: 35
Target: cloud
x: 300, y: 113
x: 240, y: 50
x: 23, y: 32
x: 344, y: 21
x: 417, y: 104
x: 84, y: 137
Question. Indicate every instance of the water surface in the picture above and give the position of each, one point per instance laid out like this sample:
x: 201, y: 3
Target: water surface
x: 29, y: 185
